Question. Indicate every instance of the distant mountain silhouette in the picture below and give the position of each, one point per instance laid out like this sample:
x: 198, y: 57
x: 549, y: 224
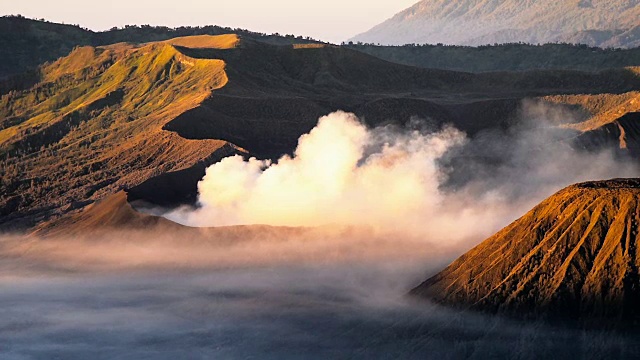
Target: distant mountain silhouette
x: 603, y: 23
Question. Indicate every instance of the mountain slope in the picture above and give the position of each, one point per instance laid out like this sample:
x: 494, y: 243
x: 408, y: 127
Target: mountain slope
x: 113, y: 212
x: 477, y: 22
x: 144, y: 118
x: 93, y: 126
x: 574, y: 255
x: 27, y: 43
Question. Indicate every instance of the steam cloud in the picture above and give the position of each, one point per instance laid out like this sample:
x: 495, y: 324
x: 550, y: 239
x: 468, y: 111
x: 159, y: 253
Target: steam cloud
x: 437, y: 185
x: 341, y: 173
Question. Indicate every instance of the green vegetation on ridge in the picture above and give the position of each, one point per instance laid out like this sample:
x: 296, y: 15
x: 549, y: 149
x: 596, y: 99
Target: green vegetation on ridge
x: 25, y: 44
x: 504, y: 57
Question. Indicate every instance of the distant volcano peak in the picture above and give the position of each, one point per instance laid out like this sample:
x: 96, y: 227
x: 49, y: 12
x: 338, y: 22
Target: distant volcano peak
x: 573, y: 256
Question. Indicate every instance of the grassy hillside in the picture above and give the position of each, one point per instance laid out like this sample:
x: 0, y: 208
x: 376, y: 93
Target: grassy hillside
x: 93, y: 125
x: 28, y: 43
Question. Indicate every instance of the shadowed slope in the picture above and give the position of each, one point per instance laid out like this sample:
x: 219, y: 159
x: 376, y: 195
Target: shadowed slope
x: 622, y: 134
x: 277, y: 94
x: 574, y: 255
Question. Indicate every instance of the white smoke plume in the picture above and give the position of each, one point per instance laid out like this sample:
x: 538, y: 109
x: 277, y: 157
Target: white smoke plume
x: 393, y: 181
x: 341, y: 173
x: 345, y: 174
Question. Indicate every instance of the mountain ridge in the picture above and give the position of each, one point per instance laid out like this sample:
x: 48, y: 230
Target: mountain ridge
x: 140, y: 117
x: 96, y: 119
x: 604, y: 23
x: 27, y: 43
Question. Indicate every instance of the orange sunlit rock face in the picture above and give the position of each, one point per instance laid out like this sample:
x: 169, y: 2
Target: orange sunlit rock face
x: 574, y: 255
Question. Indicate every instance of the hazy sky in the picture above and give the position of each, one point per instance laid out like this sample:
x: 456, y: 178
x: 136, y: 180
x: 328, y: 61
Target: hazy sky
x: 330, y: 20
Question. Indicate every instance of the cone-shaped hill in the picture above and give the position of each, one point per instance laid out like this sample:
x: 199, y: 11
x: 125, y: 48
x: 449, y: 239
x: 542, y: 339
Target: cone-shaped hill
x: 573, y: 256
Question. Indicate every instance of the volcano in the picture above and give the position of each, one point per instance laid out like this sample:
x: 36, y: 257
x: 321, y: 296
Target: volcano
x: 574, y: 256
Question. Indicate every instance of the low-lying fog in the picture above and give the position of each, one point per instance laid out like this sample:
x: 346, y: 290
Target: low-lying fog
x: 346, y: 311
x: 383, y: 209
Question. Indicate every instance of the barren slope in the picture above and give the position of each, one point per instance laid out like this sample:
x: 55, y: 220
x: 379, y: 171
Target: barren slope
x: 277, y: 94
x: 574, y: 255
x: 601, y: 109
